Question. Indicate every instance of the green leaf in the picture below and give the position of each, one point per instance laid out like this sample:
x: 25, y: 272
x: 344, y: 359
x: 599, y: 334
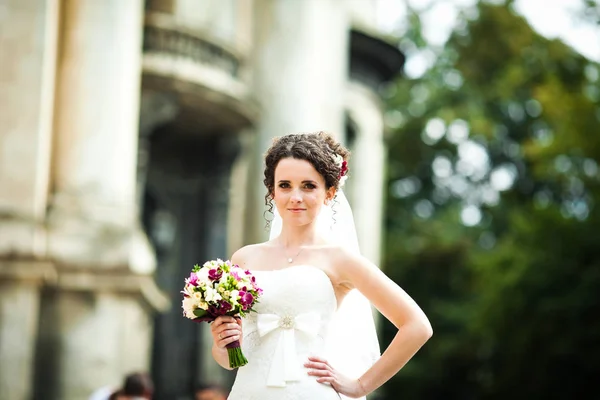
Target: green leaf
x: 200, y: 313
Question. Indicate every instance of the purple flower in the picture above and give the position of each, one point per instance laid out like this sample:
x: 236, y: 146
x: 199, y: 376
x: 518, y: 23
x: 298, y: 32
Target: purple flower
x: 215, y: 274
x: 235, y: 275
x: 246, y: 298
x: 220, y: 309
x: 225, y: 306
x: 213, y: 310
x: 193, y: 279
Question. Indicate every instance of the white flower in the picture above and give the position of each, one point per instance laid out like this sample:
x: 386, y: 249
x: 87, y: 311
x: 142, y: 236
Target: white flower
x: 224, y: 278
x: 188, y: 306
x: 197, y: 296
x: 212, y: 295
x: 188, y: 289
x: 240, y: 272
x: 339, y: 160
x: 234, y: 297
x: 203, y: 275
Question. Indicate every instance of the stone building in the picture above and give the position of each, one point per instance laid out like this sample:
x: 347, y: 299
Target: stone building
x: 131, y: 137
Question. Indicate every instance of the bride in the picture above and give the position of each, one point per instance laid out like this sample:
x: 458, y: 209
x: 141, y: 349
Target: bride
x: 310, y: 339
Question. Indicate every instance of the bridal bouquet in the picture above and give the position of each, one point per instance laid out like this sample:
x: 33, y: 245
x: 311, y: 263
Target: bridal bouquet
x: 220, y: 288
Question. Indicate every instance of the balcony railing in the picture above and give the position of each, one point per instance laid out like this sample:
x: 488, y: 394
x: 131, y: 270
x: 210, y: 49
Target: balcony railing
x: 164, y: 37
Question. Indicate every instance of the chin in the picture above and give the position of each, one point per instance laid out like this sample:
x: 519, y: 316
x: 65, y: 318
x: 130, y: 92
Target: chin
x: 299, y: 220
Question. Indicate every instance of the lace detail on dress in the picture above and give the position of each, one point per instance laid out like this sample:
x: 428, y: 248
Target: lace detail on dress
x: 291, y: 323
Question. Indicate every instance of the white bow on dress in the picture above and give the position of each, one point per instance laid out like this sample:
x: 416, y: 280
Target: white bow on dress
x: 285, y: 365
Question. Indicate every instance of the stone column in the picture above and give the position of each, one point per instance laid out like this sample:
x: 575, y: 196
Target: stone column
x: 28, y: 53
x: 367, y: 168
x: 96, y: 322
x: 300, y: 71
x: 97, y: 111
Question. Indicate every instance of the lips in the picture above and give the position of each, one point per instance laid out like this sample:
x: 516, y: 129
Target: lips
x: 296, y: 209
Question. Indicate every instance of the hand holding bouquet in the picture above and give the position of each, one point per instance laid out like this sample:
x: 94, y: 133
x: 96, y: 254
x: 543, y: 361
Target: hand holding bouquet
x: 220, y: 288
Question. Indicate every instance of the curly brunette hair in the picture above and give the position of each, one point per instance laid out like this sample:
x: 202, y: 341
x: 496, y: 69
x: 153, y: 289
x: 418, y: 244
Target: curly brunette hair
x: 318, y: 148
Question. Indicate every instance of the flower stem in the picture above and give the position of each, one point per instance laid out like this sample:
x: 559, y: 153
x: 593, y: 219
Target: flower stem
x: 236, y: 357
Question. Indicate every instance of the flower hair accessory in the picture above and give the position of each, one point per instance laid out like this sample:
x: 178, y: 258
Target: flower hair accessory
x: 343, y: 167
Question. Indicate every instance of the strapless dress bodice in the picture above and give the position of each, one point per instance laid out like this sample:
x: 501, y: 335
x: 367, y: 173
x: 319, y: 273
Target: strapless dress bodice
x: 291, y: 322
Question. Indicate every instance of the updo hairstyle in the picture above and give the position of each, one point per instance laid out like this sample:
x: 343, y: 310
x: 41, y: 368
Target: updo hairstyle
x: 318, y: 148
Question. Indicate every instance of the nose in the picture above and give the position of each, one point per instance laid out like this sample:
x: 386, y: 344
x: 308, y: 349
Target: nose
x: 296, y: 196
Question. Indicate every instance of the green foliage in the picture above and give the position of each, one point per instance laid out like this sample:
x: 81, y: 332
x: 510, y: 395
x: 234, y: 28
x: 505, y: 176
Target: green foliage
x: 537, y: 306
x: 513, y: 297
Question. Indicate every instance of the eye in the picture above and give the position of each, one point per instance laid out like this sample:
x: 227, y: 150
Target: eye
x: 284, y: 185
x: 310, y: 186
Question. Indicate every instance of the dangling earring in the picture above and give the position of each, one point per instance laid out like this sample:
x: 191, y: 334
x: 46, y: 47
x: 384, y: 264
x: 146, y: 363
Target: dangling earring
x: 333, y: 211
x: 269, y: 204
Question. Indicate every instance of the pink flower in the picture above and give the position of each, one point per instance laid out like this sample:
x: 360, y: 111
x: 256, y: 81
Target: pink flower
x: 193, y: 279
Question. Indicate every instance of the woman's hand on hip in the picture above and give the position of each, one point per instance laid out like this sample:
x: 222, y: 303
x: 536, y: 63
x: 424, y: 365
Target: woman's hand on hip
x: 325, y: 373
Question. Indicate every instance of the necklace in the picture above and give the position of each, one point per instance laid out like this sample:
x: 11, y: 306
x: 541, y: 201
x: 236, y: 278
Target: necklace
x: 291, y: 259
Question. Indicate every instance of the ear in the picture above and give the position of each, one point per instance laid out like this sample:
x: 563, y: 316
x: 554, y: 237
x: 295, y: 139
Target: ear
x: 329, y: 195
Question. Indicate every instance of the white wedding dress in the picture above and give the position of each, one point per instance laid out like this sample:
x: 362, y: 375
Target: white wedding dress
x: 292, y: 321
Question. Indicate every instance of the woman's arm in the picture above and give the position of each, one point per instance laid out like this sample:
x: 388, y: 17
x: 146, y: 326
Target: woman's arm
x: 397, y: 306
x: 414, y: 328
x: 221, y: 357
x: 226, y: 329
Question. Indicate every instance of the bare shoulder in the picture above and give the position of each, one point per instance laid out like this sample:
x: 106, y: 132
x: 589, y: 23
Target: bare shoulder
x: 357, y: 272
x: 351, y: 266
x: 244, y: 256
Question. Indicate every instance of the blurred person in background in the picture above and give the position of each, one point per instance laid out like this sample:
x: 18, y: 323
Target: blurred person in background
x: 138, y: 386
x: 104, y: 393
x: 210, y: 391
x: 118, y: 395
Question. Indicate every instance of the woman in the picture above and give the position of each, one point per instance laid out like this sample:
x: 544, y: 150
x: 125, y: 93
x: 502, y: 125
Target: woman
x: 305, y: 278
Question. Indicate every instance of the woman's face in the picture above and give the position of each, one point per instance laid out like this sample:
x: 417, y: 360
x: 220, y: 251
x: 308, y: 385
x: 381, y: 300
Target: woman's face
x: 299, y: 192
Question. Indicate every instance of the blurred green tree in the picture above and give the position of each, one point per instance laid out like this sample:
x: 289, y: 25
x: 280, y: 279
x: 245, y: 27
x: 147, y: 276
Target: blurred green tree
x: 493, y: 180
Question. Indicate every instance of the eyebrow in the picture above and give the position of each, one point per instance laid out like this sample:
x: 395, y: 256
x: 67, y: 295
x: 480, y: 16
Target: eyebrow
x: 305, y: 181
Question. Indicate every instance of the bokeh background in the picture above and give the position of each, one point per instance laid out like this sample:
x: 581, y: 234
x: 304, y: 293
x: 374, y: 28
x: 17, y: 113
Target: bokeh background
x: 131, y: 142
